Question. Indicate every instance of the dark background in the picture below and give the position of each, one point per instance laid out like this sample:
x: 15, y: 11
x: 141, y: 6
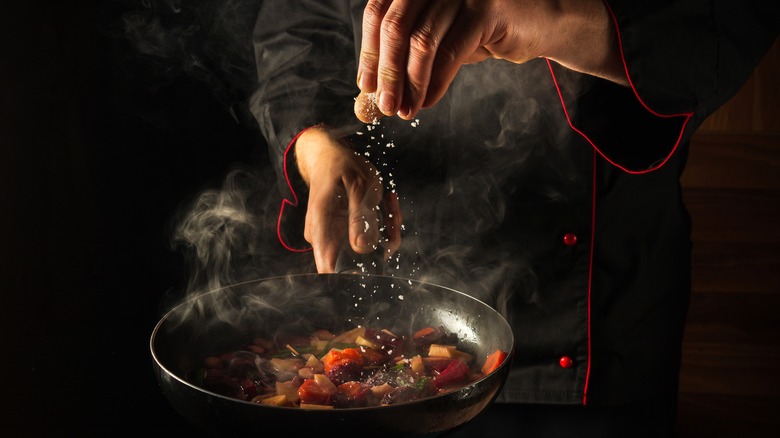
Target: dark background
x: 114, y: 115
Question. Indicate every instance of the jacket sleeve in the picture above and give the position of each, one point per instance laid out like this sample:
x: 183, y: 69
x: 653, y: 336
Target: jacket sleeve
x: 684, y: 59
x: 306, y: 68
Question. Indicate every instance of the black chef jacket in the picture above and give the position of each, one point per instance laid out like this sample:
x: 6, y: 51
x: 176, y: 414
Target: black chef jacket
x: 552, y: 195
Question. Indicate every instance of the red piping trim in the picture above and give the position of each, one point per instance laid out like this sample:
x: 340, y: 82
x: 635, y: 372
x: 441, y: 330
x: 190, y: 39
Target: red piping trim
x: 590, y: 277
x: 285, y: 201
x: 687, y: 115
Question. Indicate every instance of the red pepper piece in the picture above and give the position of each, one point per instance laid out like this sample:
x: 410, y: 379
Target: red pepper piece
x: 454, y: 373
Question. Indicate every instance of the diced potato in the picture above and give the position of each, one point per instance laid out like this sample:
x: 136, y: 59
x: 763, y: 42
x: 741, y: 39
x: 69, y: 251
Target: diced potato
x: 381, y: 390
x: 391, y: 334
x: 324, y: 382
x: 277, y: 400
x: 417, y: 365
x: 349, y: 336
x: 314, y: 363
x: 306, y: 373
x: 448, y: 351
x: 312, y: 406
x: 285, y: 365
x: 437, y: 350
x: 288, y: 389
x: 367, y: 343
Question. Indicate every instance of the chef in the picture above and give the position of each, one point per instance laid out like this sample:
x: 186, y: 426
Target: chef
x: 525, y: 152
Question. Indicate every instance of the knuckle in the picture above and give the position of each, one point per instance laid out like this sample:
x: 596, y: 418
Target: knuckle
x: 373, y: 11
x: 448, y: 54
x: 390, y: 73
x: 423, y: 41
x: 393, y: 26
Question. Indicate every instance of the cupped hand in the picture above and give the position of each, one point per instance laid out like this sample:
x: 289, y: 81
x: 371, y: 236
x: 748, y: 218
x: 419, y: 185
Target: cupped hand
x: 412, y: 49
x: 345, y: 193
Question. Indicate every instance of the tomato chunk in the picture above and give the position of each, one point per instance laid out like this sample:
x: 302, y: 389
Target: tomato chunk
x: 493, y: 361
x: 311, y: 392
x: 343, y: 365
x: 335, y: 358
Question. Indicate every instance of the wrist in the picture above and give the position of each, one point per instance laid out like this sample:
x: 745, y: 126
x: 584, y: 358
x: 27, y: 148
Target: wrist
x: 580, y: 35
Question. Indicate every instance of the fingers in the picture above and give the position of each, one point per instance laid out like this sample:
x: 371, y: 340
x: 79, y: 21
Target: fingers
x: 397, y: 26
x: 424, y: 43
x: 412, y: 50
x: 369, y: 51
x: 364, y: 196
x: 463, y: 44
x: 325, y: 228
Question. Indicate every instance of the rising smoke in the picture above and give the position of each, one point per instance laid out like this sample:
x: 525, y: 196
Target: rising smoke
x: 227, y: 235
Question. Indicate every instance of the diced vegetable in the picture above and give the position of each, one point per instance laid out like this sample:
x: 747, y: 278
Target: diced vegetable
x: 363, y: 342
x: 436, y: 363
x: 350, y: 336
x: 288, y: 389
x: 448, y: 351
x: 417, y: 365
x: 372, y: 357
x: 276, y: 400
x: 427, y: 332
x: 325, y: 383
x: 285, y: 365
x: 381, y: 390
x: 493, y: 361
x: 343, y: 365
x: 455, y: 372
x: 310, y: 392
x: 314, y: 363
x: 360, y: 367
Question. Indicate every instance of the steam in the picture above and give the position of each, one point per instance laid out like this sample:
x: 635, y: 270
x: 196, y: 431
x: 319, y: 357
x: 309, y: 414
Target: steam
x: 227, y: 235
x: 206, y: 40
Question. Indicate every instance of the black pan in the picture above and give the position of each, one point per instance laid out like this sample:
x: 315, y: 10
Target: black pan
x: 227, y: 318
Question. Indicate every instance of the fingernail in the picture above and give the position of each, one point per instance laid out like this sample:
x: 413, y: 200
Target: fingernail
x: 366, y: 81
x: 386, y: 103
x: 405, y: 112
x: 362, y: 240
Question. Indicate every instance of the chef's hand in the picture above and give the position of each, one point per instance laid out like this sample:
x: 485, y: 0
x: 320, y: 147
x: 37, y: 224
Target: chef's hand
x: 344, y: 194
x: 412, y: 49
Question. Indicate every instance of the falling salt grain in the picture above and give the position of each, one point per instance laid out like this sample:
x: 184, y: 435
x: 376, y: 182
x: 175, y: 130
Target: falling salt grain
x: 401, y: 297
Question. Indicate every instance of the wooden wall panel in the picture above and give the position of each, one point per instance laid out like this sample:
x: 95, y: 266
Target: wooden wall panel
x: 730, y: 377
x: 756, y: 108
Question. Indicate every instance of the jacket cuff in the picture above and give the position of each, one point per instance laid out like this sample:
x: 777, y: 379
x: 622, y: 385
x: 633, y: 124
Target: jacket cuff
x: 617, y: 122
x: 291, y: 220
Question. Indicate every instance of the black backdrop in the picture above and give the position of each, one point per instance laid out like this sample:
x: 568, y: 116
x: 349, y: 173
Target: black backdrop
x: 102, y: 140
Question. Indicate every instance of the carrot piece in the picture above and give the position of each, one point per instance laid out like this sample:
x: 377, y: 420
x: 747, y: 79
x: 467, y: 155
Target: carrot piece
x: 427, y: 331
x: 493, y: 361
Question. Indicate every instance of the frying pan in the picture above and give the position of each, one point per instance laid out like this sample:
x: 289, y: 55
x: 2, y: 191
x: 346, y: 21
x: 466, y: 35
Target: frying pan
x: 227, y: 318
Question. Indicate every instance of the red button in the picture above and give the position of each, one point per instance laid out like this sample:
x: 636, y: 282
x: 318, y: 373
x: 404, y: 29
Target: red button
x: 566, y: 362
x: 570, y: 239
